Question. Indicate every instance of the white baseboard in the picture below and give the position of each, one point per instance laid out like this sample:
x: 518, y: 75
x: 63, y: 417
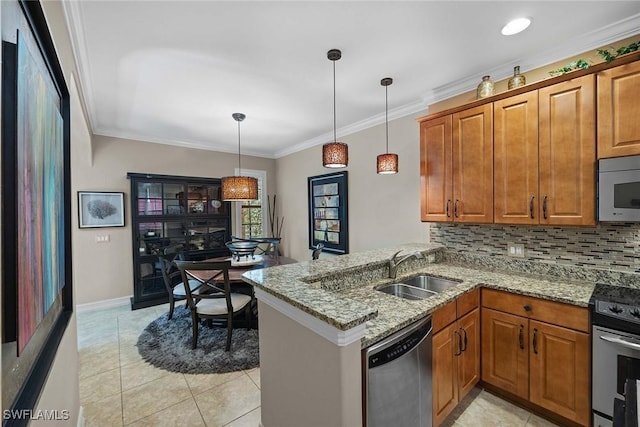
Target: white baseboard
x: 104, y: 304
x: 81, y: 417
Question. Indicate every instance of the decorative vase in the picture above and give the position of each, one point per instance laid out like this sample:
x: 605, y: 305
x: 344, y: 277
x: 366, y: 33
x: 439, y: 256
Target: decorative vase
x: 485, y: 88
x: 517, y: 80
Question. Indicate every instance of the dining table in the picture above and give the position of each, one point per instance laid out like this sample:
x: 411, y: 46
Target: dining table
x: 236, y: 270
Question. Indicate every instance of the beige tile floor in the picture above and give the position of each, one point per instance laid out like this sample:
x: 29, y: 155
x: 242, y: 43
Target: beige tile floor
x: 117, y: 388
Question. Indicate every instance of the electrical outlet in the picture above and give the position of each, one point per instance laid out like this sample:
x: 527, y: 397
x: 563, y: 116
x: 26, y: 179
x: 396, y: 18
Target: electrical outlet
x: 519, y: 250
x: 515, y: 250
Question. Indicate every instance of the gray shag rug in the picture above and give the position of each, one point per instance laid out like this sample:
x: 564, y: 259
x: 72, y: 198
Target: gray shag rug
x: 166, y: 344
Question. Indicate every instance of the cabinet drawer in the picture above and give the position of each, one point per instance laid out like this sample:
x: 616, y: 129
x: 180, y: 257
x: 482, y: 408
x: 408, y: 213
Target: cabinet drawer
x: 443, y: 316
x: 467, y: 302
x: 546, y: 311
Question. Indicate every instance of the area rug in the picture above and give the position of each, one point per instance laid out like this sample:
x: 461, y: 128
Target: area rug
x: 166, y: 344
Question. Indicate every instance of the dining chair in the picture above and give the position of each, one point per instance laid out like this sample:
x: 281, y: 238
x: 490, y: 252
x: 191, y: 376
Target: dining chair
x: 218, y: 302
x: 173, y: 278
x: 317, y: 251
x: 265, y: 245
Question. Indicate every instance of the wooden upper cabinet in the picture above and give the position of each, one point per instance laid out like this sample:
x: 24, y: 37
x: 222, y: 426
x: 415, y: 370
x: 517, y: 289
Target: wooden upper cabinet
x: 515, y: 140
x: 567, y: 153
x: 618, y: 111
x: 436, y: 189
x: 473, y: 165
x: 456, y: 167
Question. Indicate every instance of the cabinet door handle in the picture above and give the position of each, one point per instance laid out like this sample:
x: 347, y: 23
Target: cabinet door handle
x: 521, y: 337
x: 459, y: 350
x: 544, y: 207
x: 531, y: 206
x: 535, y: 341
x: 527, y: 307
x: 455, y: 208
x: 464, y: 331
x: 448, y: 203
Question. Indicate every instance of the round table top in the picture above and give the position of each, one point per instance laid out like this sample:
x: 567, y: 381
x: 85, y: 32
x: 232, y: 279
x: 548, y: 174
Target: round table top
x: 236, y: 271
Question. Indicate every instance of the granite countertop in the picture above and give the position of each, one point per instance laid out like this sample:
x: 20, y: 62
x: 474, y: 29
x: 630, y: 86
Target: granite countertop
x: 350, y: 305
x: 299, y: 284
x: 395, y: 313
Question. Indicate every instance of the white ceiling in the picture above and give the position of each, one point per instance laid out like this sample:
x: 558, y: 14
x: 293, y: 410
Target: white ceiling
x: 174, y: 71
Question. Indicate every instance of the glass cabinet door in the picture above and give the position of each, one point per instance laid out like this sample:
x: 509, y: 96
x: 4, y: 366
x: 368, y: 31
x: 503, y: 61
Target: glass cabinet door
x: 155, y: 198
x: 154, y: 237
x: 205, y: 199
x: 207, y: 234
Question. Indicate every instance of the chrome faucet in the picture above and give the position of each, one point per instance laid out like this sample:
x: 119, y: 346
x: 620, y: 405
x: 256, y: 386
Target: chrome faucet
x: 394, y: 262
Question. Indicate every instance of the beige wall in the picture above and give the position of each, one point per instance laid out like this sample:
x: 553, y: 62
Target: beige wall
x: 61, y: 391
x: 104, y: 270
x: 384, y: 210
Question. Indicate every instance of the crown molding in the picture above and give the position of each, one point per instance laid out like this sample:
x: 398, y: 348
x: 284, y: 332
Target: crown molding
x: 181, y: 143
x: 402, y: 111
x: 72, y: 15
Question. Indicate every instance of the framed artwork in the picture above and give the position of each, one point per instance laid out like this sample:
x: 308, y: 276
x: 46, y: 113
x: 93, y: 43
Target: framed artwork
x: 100, y: 209
x: 328, y: 213
x: 37, y: 300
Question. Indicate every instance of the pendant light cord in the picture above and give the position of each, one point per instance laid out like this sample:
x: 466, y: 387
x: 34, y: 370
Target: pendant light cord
x: 239, y: 168
x: 386, y: 114
x: 335, y: 138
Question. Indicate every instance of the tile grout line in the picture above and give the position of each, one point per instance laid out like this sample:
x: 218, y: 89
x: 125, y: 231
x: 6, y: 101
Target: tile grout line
x: 120, y: 367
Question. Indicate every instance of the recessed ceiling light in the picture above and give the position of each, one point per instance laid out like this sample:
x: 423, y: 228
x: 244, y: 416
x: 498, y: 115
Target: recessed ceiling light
x: 515, y: 26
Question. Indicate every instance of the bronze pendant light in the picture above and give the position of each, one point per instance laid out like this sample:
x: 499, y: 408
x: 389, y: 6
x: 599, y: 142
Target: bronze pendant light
x: 239, y: 188
x: 388, y: 162
x: 335, y: 154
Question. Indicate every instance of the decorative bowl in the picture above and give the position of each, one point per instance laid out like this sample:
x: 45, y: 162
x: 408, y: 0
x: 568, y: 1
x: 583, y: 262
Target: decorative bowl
x: 240, y: 248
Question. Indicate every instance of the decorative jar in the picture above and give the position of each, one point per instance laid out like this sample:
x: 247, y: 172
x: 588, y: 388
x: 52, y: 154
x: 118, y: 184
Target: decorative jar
x: 485, y: 88
x: 517, y: 80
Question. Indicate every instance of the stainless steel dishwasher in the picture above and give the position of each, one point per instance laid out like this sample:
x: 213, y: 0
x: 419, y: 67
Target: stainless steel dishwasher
x: 398, y: 378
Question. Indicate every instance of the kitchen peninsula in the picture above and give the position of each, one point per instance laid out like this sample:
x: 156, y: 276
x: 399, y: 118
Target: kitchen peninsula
x: 317, y: 316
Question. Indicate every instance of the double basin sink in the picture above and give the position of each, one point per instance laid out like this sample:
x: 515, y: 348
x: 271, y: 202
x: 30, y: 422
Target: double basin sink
x: 418, y: 287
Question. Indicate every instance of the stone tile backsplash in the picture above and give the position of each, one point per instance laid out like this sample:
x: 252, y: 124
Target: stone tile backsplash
x: 613, y: 246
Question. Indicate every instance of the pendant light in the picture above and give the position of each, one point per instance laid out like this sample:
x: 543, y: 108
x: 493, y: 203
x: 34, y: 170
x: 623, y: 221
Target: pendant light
x: 388, y: 162
x: 239, y: 188
x: 335, y: 154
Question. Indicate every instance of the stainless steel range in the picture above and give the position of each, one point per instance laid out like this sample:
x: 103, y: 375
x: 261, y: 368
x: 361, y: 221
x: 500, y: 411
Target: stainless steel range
x: 615, y: 316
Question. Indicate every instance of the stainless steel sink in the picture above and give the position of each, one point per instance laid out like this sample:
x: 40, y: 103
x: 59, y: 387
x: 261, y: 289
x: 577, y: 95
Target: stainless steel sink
x: 407, y: 292
x: 430, y: 283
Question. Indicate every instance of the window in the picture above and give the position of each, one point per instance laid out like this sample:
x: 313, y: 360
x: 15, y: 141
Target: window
x: 251, y: 216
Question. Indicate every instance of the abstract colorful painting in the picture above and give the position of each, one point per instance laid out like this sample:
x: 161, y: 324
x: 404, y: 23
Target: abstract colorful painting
x: 40, y: 188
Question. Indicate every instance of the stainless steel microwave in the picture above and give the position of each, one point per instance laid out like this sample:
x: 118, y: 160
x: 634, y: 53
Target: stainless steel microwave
x: 619, y: 189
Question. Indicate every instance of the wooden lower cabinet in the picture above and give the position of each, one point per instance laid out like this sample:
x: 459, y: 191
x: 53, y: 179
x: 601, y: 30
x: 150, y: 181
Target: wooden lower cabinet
x: 445, y: 383
x: 505, y: 352
x: 543, y: 363
x: 559, y: 371
x: 456, y: 363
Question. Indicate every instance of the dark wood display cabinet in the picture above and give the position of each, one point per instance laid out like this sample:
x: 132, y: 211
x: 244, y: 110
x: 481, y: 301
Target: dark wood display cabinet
x: 173, y: 210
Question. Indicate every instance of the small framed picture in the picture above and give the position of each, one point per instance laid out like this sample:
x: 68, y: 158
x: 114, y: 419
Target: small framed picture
x: 100, y: 209
x: 328, y: 219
